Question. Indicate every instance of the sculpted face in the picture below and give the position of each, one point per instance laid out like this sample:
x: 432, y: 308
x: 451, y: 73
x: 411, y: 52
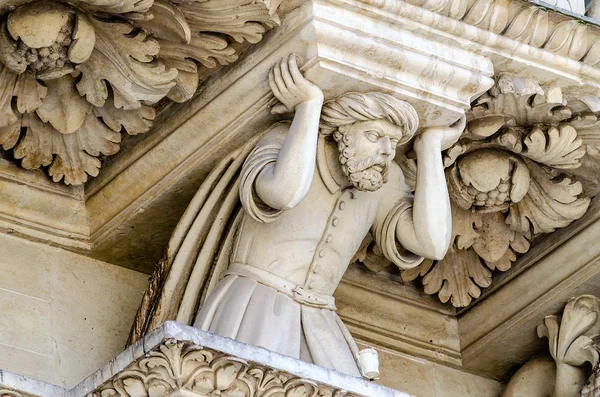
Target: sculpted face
x: 366, y: 150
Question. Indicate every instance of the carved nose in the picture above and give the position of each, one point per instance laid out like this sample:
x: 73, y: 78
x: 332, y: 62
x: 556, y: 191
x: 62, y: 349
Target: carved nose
x: 386, y: 147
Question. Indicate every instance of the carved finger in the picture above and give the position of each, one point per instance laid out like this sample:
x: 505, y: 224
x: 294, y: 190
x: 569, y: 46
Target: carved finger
x: 294, y: 71
x: 460, y: 124
x: 279, y: 80
x: 285, y: 73
x: 273, y: 85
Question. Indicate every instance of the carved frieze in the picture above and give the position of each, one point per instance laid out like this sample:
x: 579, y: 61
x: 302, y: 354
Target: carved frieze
x: 177, y: 366
x: 75, y: 76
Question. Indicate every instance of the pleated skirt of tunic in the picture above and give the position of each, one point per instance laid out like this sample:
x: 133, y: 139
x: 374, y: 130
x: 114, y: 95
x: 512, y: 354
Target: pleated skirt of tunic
x: 247, y: 311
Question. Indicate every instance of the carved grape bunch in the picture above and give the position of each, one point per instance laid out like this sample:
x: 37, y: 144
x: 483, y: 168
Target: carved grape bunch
x: 488, y: 180
x: 40, y: 60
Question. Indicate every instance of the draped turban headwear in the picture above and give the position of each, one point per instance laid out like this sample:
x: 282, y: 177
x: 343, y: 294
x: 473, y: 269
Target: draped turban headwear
x: 354, y: 106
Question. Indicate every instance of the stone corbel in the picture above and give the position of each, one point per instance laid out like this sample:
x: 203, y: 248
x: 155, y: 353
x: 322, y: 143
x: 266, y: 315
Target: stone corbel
x: 76, y: 76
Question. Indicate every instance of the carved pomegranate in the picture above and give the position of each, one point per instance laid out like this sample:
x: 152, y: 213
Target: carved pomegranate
x: 488, y: 180
x: 48, y: 39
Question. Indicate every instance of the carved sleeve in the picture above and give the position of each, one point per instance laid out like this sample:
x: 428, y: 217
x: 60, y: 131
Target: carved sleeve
x: 395, y: 205
x: 265, y: 152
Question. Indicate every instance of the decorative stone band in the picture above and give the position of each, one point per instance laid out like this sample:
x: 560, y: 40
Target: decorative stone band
x: 12, y: 393
x: 181, y: 360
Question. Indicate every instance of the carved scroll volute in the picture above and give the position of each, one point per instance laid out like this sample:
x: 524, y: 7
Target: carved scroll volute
x: 73, y: 78
x: 511, y: 177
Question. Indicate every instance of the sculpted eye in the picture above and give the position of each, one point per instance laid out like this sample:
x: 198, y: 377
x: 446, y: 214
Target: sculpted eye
x: 394, y: 142
x: 372, y: 136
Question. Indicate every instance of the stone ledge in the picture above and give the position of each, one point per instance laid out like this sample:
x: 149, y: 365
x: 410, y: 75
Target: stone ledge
x: 180, y: 360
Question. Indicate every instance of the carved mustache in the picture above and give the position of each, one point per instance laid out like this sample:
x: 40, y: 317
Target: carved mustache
x: 375, y: 161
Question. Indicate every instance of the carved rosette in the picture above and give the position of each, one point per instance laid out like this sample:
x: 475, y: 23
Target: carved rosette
x: 75, y: 76
x: 176, y: 366
x: 512, y: 176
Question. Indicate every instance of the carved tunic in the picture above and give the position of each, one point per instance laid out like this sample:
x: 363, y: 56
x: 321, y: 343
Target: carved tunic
x: 286, y: 264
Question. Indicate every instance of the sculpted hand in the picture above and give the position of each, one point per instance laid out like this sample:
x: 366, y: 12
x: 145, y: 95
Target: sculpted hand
x: 445, y: 136
x: 290, y: 87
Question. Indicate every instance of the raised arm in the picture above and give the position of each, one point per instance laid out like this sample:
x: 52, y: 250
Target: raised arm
x: 283, y: 184
x: 429, y: 230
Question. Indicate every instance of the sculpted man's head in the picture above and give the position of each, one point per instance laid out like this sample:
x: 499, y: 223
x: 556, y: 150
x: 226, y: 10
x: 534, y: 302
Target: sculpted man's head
x: 368, y: 128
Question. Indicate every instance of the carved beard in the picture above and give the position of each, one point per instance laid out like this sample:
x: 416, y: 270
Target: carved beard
x: 366, y: 174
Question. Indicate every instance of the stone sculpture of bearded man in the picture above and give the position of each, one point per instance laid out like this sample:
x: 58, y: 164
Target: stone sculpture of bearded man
x: 338, y: 116
x: 311, y: 191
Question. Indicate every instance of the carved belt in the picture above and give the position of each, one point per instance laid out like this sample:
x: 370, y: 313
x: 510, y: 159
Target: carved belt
x: 297, y: 293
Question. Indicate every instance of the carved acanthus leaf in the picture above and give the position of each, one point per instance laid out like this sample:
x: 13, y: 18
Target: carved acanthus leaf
x: 557, y: 147
x: 103, y: 64
x: 124, y: 60
x: 30, y: 93
x: 549, y: 204
x: 572, y: 343
x: 252, y: 20
x: 167, y: 23
x: 458, y: 277
x: 63, y: 107
x: 72, y: 156
x: 133, y: 122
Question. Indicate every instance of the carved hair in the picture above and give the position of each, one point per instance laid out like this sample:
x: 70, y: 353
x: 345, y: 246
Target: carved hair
x: 353, y: 106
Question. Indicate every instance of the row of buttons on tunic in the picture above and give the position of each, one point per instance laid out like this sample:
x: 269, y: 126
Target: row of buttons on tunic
x: 334, y: 222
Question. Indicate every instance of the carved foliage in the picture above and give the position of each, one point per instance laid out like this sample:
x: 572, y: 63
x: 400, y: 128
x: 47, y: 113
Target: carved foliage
x: 72, y: 80
x: 509, y: 179
x: 572, y: 343
x: 183, y: 366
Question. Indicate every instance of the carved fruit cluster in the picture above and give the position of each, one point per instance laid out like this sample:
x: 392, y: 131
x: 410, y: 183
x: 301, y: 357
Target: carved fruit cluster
x: 55, y: 56
x: 495, y: 197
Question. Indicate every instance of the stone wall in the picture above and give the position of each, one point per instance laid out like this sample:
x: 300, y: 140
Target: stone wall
x: 63, y: 315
